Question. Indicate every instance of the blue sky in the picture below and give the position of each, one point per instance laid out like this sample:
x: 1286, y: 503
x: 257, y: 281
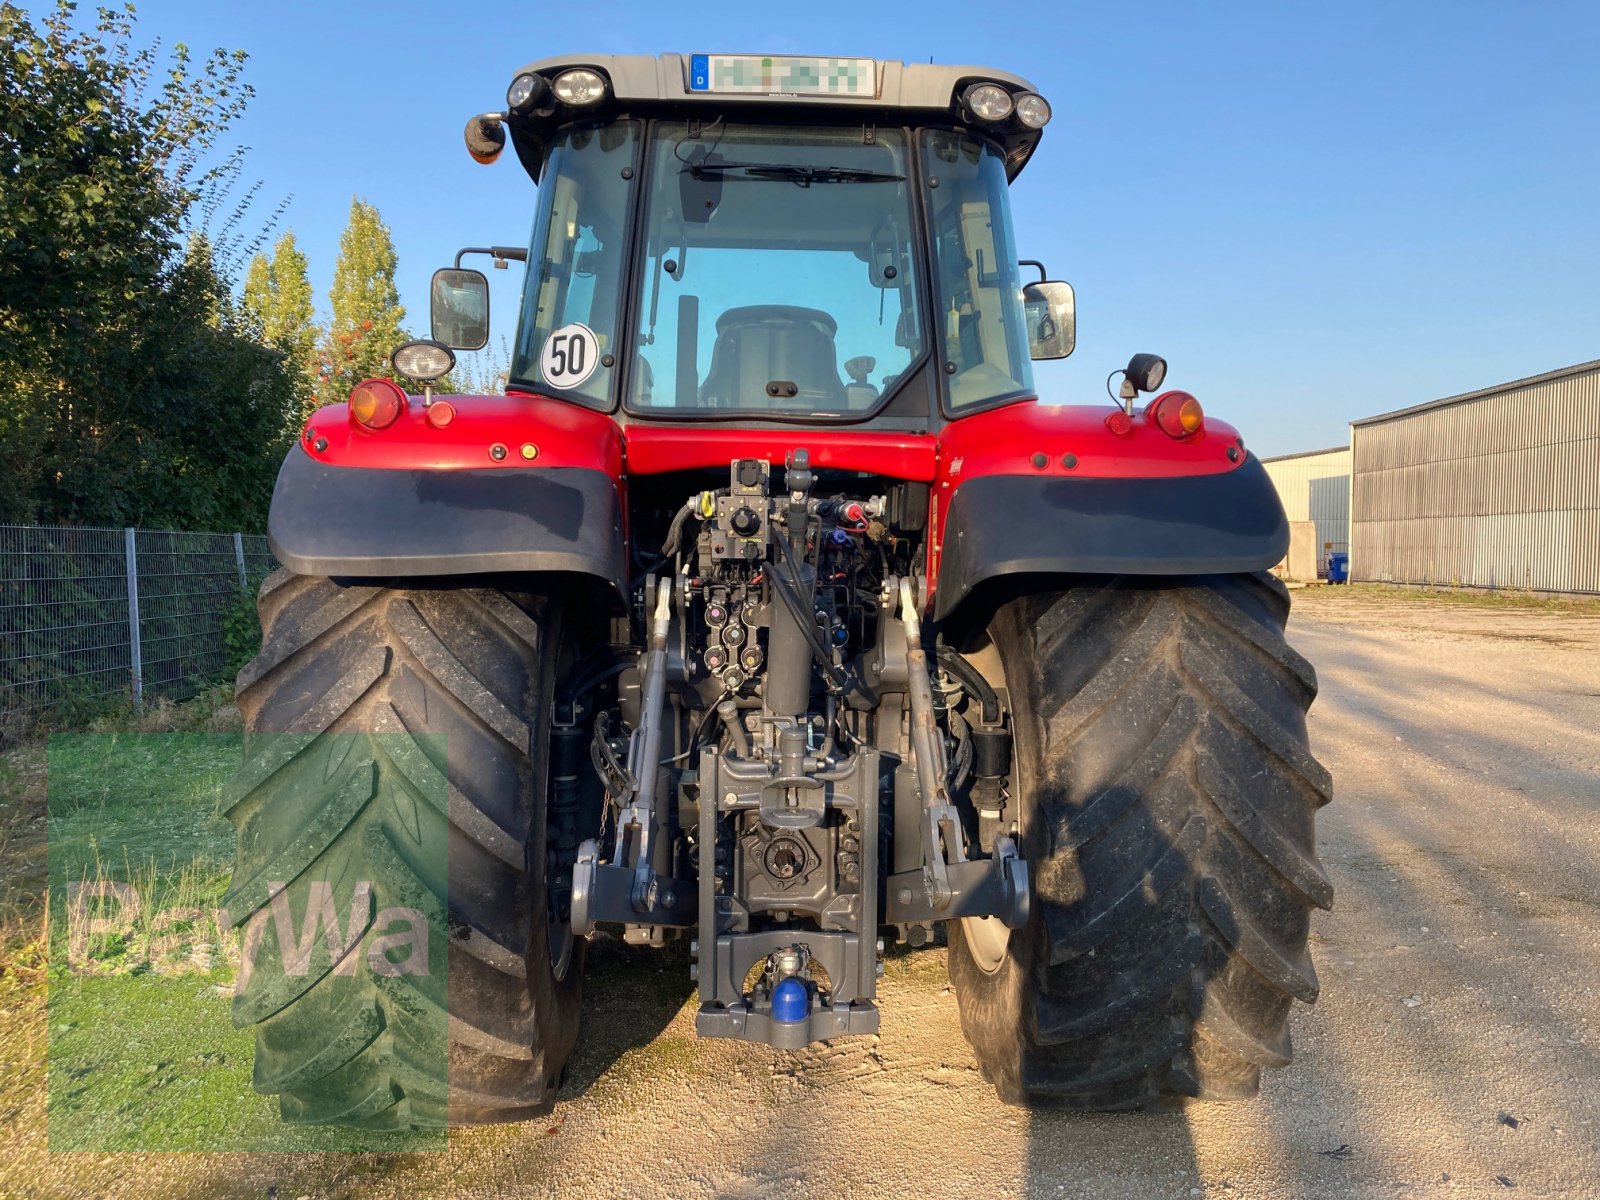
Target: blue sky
x: 1315, y: 213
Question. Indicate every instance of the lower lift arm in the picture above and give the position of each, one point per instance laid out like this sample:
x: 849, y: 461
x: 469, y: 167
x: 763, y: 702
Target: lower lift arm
x: 949, y: 884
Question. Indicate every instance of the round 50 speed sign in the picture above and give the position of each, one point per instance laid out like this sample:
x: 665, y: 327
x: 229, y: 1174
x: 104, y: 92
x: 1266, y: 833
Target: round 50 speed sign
x: 570, y: 356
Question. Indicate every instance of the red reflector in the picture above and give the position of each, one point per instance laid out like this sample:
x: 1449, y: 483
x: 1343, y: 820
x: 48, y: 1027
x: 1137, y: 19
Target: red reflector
x: 1120, y: 423
x: 376, y: 403
x: 1178, y: 414
x: 441, y: 413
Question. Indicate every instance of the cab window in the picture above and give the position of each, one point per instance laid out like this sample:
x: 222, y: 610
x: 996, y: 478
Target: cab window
x: 576, y: 263
x: 979, y: 321
x: 778, y: 271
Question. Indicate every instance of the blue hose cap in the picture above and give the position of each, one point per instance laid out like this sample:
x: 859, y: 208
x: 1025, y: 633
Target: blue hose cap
x: 790, y: 1001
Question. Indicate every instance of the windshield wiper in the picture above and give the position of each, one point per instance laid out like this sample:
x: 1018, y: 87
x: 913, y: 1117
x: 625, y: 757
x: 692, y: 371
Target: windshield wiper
x: 797, y: 175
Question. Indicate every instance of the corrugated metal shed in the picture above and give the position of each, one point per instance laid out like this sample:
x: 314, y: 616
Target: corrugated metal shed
x: 1498, y: 488
x: 1315, y: 486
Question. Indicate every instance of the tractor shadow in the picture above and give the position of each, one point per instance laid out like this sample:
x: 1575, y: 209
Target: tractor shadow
x: 1453, y: 1038
x: 630, y: 995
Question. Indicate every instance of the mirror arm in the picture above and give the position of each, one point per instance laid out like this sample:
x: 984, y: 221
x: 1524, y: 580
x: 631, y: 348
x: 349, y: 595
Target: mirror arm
x: 501, y: 254
x: 1022, y: 262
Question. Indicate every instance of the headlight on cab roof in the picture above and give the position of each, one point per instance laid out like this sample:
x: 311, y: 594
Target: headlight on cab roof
x: 988, y: 102
x: 423, y: 361
x: 580, y: 87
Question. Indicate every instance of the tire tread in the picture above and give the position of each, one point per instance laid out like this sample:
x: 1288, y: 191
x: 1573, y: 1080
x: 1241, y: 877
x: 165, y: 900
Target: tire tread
x: 320, y: 794
x: 1170, y: 833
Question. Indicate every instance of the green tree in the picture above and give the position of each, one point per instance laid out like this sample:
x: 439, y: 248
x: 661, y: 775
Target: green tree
x: 200, y: 266
x: 256, y: 298
x: 215, y: 428
x: 277, y: 300
x: 367, y: 315
x: 129, y: 391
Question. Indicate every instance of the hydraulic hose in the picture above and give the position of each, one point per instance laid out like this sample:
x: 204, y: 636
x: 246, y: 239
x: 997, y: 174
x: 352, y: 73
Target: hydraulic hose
x: 806, y: 622
x: 728, y: 711
x: 672, y: 543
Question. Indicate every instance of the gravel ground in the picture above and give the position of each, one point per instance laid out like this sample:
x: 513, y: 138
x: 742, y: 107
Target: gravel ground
x: 1455, y: 1050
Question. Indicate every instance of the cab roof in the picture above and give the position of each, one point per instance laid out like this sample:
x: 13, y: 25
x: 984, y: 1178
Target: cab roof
x: 668, y: 77
x: 895, y: 91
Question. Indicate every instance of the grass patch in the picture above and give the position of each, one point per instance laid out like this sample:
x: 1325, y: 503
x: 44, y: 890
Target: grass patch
x: 1467, y: 597
x: 24, y: 777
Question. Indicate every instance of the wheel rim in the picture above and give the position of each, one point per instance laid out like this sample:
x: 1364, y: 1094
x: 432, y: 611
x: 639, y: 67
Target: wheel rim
x: 988, y: 941
x: 558, y: 939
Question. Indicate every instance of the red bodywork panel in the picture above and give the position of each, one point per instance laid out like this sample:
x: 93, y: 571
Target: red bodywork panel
x: 654, y: 449
x: 562, y: 435
x: 1025, y: 438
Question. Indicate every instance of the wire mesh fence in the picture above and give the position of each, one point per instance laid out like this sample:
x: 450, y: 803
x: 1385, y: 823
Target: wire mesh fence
x: 88, y: 614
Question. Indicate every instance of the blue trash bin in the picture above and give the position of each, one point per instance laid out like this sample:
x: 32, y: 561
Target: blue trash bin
x: 1339, y: 568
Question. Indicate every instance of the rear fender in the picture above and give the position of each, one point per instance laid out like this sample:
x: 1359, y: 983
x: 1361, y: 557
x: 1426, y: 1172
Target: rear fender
x: 1034, y: 490
x: 510, y: 484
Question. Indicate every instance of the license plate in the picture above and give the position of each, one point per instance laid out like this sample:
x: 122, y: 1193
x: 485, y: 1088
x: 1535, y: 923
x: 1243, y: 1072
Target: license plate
x: 782, y: 74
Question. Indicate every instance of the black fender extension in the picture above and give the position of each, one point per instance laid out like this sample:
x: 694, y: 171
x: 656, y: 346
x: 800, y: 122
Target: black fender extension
x: 1002, y: 525
x: 361, y: 522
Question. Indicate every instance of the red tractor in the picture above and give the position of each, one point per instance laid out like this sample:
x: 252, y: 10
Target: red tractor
x: 770, y: 609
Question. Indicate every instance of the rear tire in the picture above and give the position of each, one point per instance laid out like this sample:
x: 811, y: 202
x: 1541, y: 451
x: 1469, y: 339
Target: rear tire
x: 1167, y: 806
x: 361, y: 702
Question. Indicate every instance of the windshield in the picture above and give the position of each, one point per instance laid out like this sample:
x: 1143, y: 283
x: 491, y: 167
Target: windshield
x: 982, y: 337
x: 778, y: 271
x: 576, y: 263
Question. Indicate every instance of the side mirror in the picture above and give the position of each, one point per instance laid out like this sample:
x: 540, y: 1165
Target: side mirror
x: 458, y: 307
x: 1052, y: 316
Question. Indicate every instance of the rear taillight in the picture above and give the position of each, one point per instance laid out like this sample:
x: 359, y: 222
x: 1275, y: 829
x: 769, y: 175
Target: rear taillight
x: 376, y: 403
x: 1177, y: 414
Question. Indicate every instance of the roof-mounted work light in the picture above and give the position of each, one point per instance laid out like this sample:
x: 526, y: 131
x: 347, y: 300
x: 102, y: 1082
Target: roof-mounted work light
x: 580, y: 87
x: 1032, y: 111
x: 528, y: 93
x: 987, y: 102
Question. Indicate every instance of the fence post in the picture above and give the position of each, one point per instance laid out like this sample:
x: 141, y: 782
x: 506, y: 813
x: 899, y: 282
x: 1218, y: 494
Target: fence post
x: 132, y: 553
x: 238, y: 557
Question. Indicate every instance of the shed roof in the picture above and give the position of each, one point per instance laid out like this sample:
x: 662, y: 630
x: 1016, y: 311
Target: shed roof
x: 1305, y: 454
x: 1465, y: 397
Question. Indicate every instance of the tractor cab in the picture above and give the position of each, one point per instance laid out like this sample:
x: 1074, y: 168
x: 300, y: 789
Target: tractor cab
x: 764, y: 239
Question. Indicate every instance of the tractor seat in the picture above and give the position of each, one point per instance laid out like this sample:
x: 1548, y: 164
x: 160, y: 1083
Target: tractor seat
x: 765, y: 343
